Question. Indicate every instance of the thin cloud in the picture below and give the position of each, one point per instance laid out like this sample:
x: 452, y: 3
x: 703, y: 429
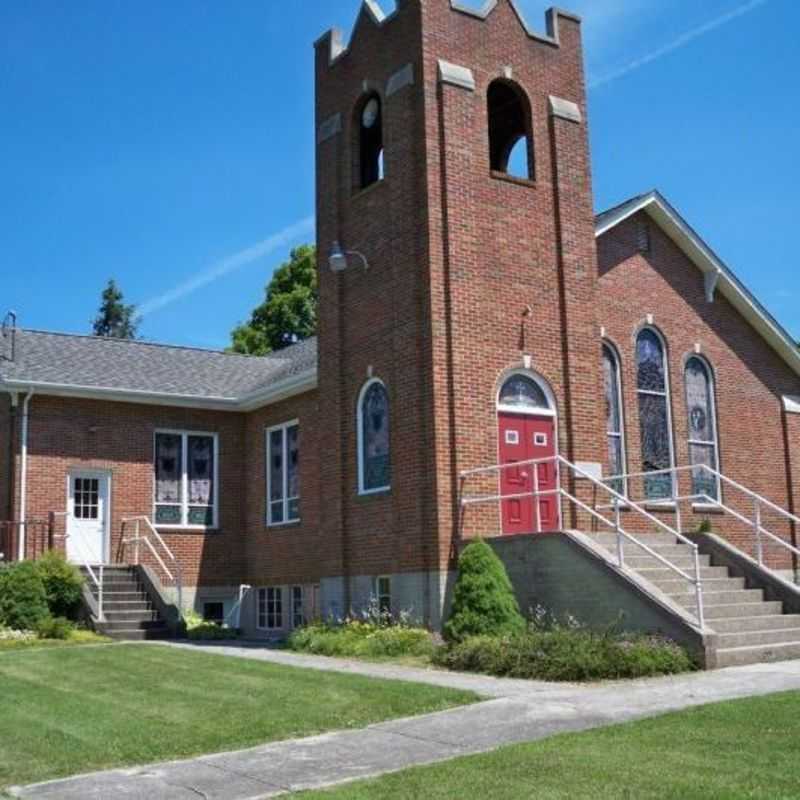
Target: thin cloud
x: 228, y: 265
x: 676, y: 44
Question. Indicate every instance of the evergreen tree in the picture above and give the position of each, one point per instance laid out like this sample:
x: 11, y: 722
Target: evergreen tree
x: 483, y: 600
x: 114, y: 319
x: 289, y: 311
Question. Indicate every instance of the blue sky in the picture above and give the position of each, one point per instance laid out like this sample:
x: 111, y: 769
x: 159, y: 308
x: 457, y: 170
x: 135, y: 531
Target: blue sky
x: 170, y: 145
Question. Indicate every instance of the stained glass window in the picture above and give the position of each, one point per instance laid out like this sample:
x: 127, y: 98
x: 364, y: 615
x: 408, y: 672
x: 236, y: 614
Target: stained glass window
x: 613, y: 398
x: 375, y: 469
x: 185, y: 474
x: 283, y: 481
x: 654, y: 417
x: 702, y: 427
x: 522, y: 392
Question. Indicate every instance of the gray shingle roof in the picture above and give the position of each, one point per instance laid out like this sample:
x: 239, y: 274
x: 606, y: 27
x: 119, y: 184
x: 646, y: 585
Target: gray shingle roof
x: 133, y: 366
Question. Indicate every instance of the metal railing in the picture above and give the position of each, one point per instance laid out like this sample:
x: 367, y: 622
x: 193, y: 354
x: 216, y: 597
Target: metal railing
x: 146, y: 538
x: 38, y: 538
x: 753, y: 523
x: 618, y: 502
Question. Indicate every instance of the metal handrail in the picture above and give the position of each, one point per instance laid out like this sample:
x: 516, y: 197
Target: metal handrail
x: 138, y: 538
x: 619, y: 501
x: 759, y: 501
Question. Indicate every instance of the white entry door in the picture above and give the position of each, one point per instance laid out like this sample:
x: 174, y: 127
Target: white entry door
x: 87, y: 519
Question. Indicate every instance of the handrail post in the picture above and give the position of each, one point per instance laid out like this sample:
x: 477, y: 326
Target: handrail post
x: 676, y: 498
x: 618, y: 527
x: 136, y: 544
x: 100, y: 612
x: 757, y: 527
x: 698, y: 588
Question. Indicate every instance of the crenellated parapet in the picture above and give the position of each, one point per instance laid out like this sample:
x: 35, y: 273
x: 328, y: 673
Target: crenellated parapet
x: 371, y: 13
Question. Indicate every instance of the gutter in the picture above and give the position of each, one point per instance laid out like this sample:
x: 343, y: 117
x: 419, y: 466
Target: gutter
x: 23, y: 477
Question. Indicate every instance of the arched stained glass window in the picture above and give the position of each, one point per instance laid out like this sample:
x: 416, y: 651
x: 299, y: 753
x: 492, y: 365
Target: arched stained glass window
x: 614, y: 426
x: 703, y: 446
x: 374, y: 444
x: 523, y: 393
x: 652, y: 383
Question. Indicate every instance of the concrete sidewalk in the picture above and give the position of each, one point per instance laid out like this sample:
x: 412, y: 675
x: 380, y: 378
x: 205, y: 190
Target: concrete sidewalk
x: 514, y: 715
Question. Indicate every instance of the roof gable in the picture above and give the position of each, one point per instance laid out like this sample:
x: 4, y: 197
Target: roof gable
x: 717, y: 275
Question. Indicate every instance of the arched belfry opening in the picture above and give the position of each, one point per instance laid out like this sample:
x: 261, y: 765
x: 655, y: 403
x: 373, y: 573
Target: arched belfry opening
x: 369, y: 145
x: 510, y: 131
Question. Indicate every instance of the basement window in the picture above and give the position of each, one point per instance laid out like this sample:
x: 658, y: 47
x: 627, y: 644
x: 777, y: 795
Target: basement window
x: 510, y: 134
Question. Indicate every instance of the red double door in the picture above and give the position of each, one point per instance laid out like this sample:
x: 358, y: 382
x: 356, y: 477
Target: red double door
x: 522, y: 439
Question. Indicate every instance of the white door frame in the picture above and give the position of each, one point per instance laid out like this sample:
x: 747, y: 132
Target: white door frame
x: 103, y: 475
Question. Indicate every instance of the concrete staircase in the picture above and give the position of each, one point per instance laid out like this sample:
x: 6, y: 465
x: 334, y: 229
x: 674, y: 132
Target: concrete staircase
x: 749, y: 628
x: 130, y: 613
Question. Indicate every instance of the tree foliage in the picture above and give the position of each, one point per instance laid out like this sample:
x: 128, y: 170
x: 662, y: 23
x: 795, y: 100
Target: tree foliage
x: 114, y: 319
x: 289, y: 311
x: 483, y: 600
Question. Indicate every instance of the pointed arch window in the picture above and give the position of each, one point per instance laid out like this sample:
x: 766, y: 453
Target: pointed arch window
x: 374, y: 441
x: 703, y: 442
x: 510, y: 133
x: 655, y: 422
x: 370, y: 141
x: 615, y: 429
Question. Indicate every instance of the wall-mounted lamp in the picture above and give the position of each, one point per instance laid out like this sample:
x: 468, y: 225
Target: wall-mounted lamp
x: 337, y: 260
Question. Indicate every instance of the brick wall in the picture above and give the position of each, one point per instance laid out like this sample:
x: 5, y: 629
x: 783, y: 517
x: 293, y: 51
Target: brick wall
x: 6, y: 457
x: 756, y: 446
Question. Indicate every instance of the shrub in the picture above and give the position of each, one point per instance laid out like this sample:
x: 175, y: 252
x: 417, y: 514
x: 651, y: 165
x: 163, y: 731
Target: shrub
x: 362, y: 640
x: 23, y: 599
x: 483, y: 600
x: 200, y: 629
x: 55, y: 628
x: 563, y: 654
x: 63, y: 584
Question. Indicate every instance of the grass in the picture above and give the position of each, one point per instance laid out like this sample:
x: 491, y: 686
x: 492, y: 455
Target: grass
x: 77, y: 637
x: 73, y: 710
x: 745, y: 749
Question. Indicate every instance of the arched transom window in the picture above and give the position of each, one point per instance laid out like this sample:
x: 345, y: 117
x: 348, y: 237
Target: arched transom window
x: 522, y: 393
x: 703, y: 445
x: 614, y: 425
x: 374, y: 441
x: 652, y: 383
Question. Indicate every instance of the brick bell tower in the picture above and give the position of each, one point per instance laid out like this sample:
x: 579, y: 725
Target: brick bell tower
x: 456, y: 244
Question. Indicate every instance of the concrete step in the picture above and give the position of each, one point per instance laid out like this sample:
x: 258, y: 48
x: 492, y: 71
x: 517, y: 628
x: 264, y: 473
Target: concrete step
x: 127, y: 606
x: 116, y: 596
x: 609, y: 540
x: 637, y: 559
x: 758, y: 654
x: 132, y: 616
x: 733, y: 610
x: 754, y: 638
x: 656, y: 574
x: 723, y: 598
x: 674, y: 587
x: 756, y: 622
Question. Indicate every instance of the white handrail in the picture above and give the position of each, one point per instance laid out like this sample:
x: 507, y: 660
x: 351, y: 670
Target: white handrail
x: 85, y: 562
x: 619, y: 500
x: 759, y: 501
x: 177, y: 577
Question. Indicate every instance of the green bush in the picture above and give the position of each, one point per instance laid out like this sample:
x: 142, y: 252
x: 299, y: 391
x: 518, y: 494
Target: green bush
x: 563, y: 654
x: 55, y: 628
x: 63, y: 584
x: 362, y: 640
x: 23, y: 599
x: 200, y: 629
x: 483, y: 600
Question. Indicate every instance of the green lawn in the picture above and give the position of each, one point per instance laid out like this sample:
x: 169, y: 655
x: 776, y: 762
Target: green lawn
x: 70, y: 710
x: 743, y: 749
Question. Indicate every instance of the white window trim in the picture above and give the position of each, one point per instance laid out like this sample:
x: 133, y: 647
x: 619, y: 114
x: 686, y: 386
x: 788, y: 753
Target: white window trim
x: 266, y: 626
x: 377, y: 592
x: 185, y: 434
x: 360, y: 437
x: 712, y: 391
x: 622, y: 434
x: 284, y: 428
x: 666, y: 394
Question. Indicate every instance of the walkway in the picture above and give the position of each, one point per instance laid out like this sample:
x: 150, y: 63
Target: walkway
x: 518, y: 711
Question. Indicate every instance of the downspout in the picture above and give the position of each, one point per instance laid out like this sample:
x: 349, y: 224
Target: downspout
x: 23, y: 476
x: 11, y: 461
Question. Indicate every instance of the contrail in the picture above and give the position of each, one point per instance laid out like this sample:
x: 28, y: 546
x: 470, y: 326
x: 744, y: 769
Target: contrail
x: 228, y: 265
x: 682, y: 40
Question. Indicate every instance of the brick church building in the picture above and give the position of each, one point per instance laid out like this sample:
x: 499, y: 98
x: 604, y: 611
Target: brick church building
x: 473, y: 312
